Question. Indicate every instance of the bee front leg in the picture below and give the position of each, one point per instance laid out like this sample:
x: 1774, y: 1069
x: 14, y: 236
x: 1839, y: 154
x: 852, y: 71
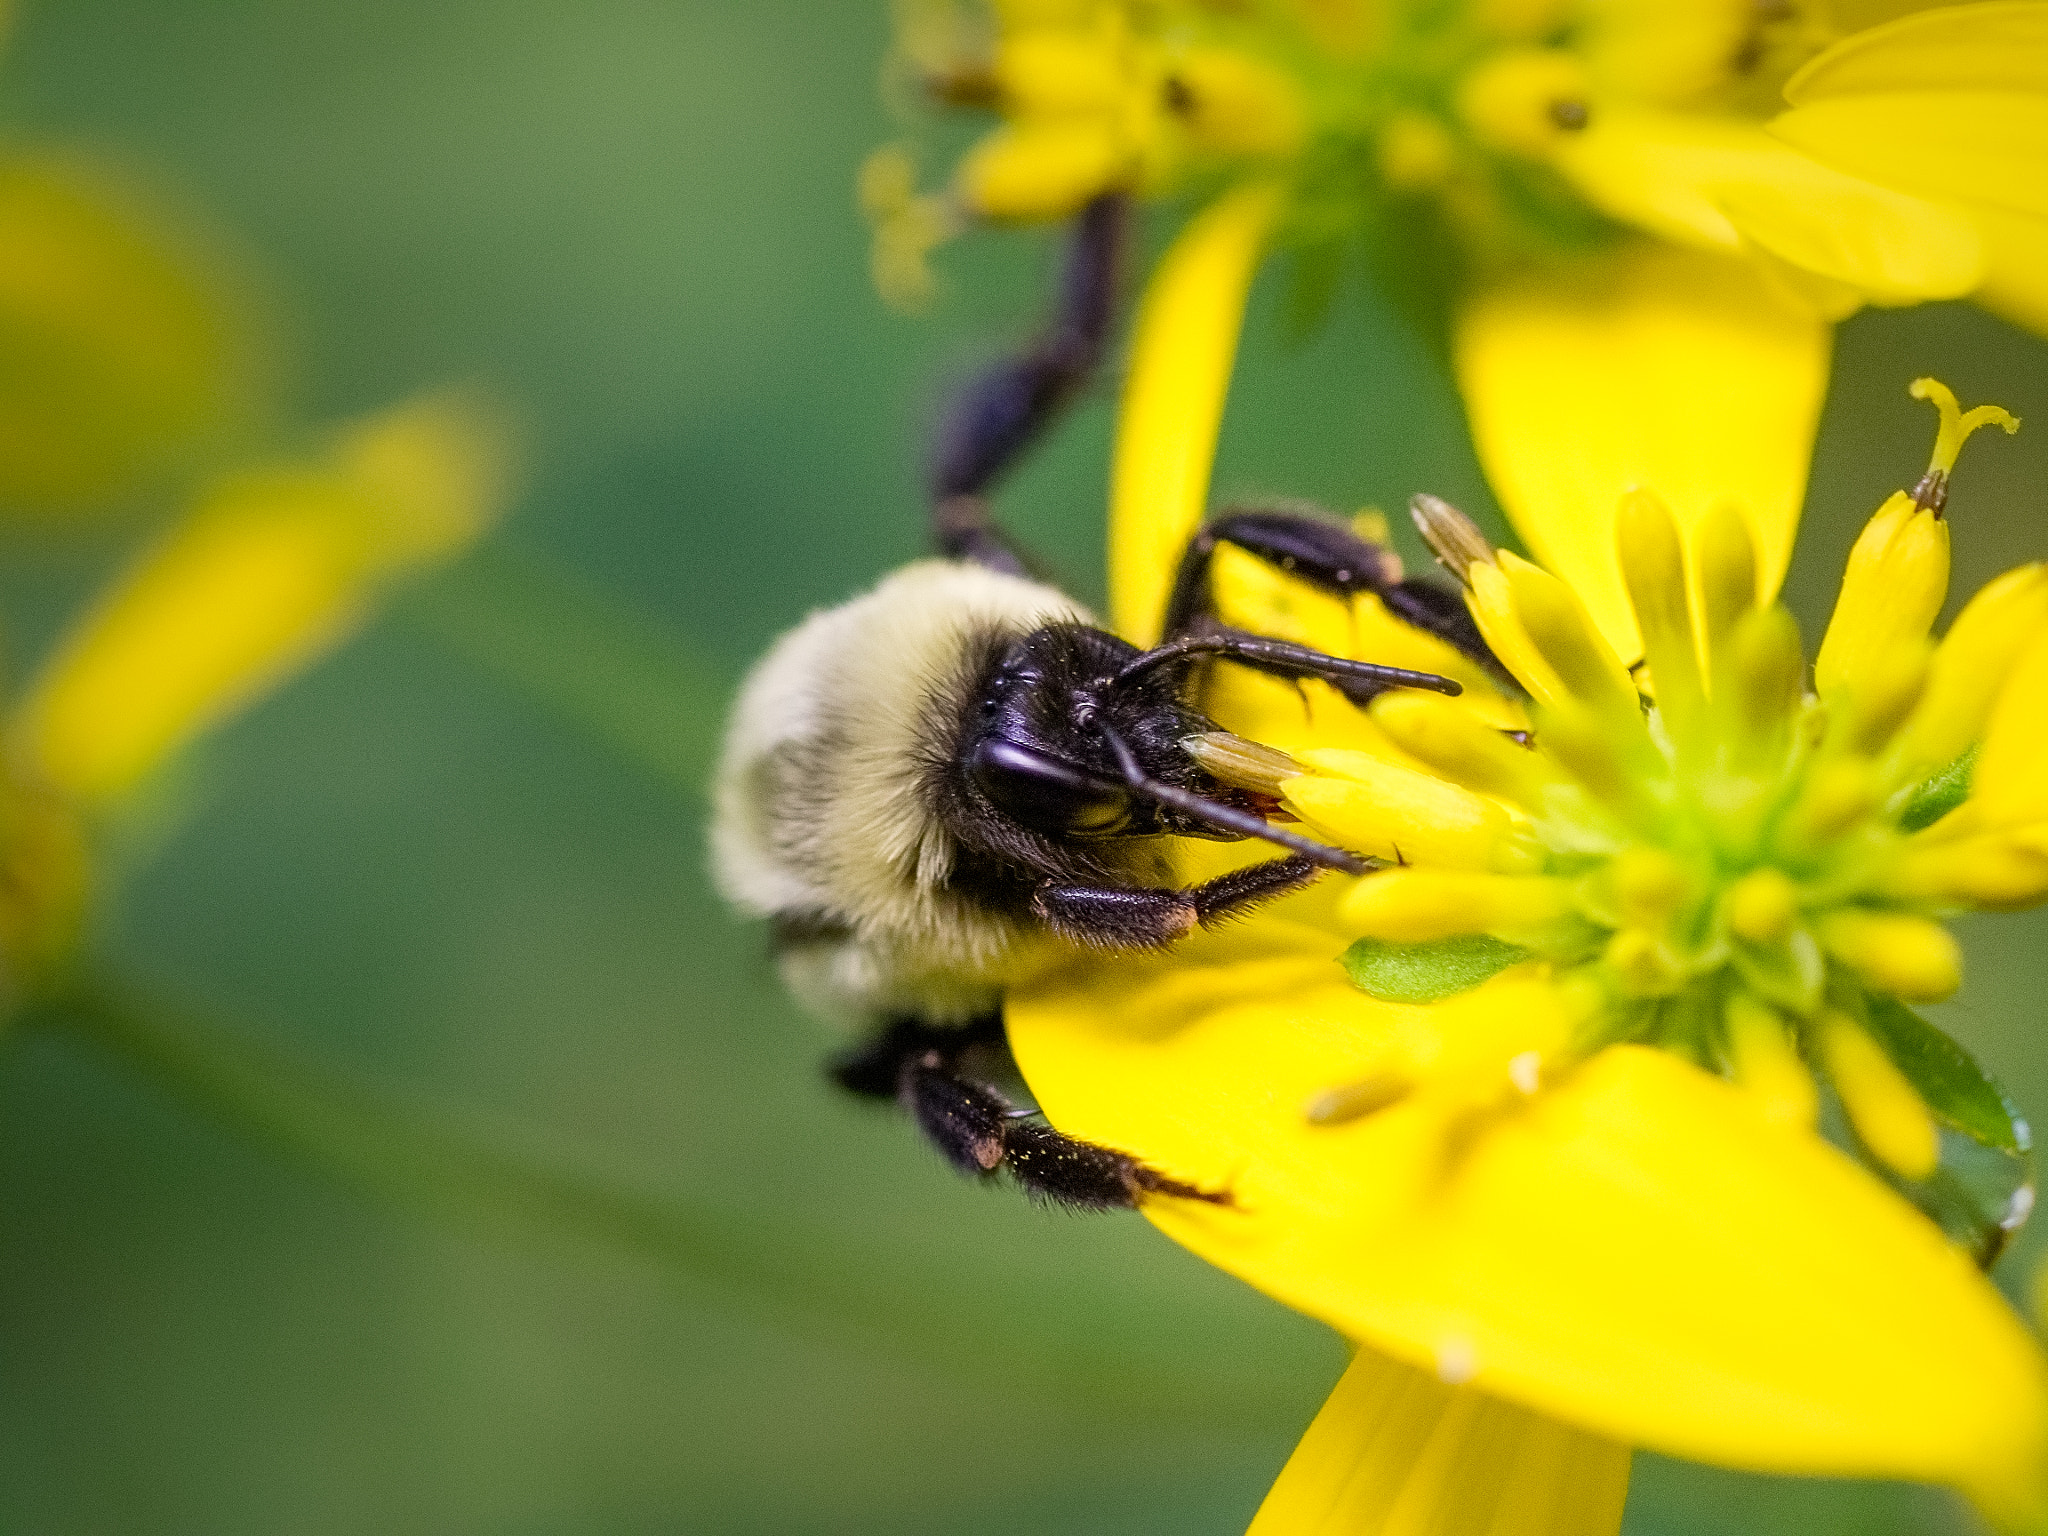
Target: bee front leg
x: 1149, y: 917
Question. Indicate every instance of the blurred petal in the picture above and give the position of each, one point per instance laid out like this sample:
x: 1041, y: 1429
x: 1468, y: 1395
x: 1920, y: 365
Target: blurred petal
x: 1636, y: 1249
x: 2016, y: 284
x: 2001, y: 46
x: 1182, y: 350
x: 1678, y: 371
x: 1395, y: 1450
x: 115, y: 341
x: 1718, y: 182
x: 1977, y: 145
x: 273, y: 568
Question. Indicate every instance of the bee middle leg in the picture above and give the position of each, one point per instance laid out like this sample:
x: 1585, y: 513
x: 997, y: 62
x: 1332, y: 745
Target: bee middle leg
x: 981, y: 1133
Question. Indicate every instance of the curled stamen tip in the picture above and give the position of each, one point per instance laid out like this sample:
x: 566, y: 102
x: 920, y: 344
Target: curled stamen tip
x: 1354, y: 1101
x: 1451, y: 536
x: 1956, y: 426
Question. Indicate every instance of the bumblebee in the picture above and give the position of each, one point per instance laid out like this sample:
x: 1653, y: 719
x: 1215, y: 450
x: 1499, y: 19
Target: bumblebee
x: 925, y: 786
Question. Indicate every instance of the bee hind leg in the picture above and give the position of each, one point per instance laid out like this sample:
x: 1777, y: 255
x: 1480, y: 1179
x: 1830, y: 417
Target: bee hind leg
x: 981, y: 1133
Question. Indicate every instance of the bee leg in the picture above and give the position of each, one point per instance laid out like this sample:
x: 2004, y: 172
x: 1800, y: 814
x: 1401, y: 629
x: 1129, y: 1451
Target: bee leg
x: 1000, y: 414
x: 979, y: 1131
x: 1149, y: 917
x: 1325, y: 554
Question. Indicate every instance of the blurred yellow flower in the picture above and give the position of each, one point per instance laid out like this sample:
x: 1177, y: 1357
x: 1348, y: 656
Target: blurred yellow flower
x: 269, y: 569
x: 1548, y: 1152
x: 121, y: 344
x: 1625, y: 242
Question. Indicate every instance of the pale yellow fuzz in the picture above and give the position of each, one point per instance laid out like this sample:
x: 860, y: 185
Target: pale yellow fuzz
x: 1882, y: 1105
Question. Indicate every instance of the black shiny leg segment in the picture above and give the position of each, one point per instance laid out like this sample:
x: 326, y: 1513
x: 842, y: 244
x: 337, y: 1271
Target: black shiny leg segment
x: 1325, y: 554
x: 1149, y: 917
x: 980, y: 1132
x: 1010, y: 406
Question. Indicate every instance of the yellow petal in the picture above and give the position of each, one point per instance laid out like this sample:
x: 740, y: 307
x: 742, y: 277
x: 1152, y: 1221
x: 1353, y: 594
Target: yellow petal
x: 116, y: 345
x: 2001, y: 46
x: 270, y: 570
x: 1979, y: 146
x: 1397, y: 1452
x: 1718, y: 182
x: 2008, y: 785
x: 1635, y: 1250
x: 1182, y: 349
x: 1677, y: 371
x: 2016, y: 275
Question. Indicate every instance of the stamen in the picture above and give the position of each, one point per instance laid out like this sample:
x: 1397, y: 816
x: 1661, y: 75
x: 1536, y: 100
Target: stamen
x: 1452, y: 537
x: 1931, y: 494
x: 1416, y: 906
x: 1448, y: 739
x: 1653, y: 566
x: 1766, y: 1064
x: 1762, y: 906
x: 1910, y: 957
x: 1725, y: 557
x: 1891, y: 1118
x: 1557, y: 623
x: 1974, y: 659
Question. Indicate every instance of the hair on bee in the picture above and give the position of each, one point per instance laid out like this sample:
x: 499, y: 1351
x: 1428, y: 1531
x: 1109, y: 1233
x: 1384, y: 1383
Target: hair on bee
x: 924, y: 787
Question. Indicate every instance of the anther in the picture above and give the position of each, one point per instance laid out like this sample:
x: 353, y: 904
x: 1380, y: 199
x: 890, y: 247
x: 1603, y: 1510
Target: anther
x: 1452, y: 537
x: 1569, y: 115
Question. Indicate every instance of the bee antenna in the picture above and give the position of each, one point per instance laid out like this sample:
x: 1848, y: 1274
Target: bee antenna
x: 1219, y: 815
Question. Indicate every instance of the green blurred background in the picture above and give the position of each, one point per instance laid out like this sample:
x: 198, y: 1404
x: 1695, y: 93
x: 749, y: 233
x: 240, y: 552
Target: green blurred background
x: 467, y: 866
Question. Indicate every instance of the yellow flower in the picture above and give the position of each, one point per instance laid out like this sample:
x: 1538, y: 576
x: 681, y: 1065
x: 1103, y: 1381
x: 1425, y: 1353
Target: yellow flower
x: 1545, y: 1144
x: 1627, y: 245
x: 270, y: 569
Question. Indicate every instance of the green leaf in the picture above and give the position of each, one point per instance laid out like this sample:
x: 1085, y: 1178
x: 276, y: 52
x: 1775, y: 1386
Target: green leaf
x: 1983, y: 1187
x: 1427, y: 973
x: 1954, y: 1086
x: 1934, y: 798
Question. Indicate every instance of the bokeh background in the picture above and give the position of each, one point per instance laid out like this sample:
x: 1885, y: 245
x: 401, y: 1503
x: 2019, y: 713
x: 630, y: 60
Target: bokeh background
x: 461, y: 862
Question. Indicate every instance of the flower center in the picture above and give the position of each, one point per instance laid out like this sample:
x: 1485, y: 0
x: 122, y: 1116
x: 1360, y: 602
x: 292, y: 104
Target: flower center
x: 1716, y: 859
